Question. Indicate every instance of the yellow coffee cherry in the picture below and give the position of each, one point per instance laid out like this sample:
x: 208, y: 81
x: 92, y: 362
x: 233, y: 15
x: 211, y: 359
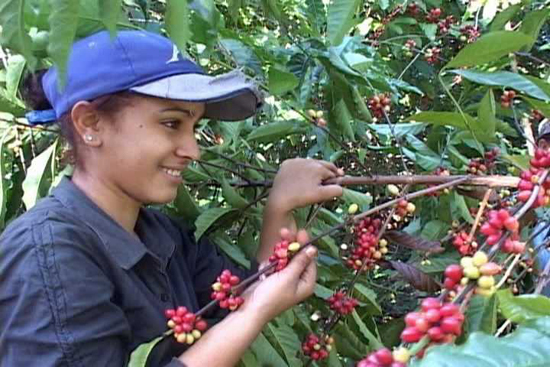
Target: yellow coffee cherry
x: 377, y: 255
x: 312, y: 113
x: 486, y: 281
x: 319, y: 114
x: 383, y: 243
x: 410, y: 208
x: 480, y: 258
x: 189, y: 339
x: 466, y: 262
x: 171, y: 324
x: 353, y: 208
x: 217, y: 286
x: 464, y: 281
x: 394, y: 190
x: 196, y: 334
x: 485, y: 292
x: 384, y: 250
x: 402, y: 355
x: 294, y: 246
x: 181, y: 338
x: 317, y: 346
x: 472, y: 272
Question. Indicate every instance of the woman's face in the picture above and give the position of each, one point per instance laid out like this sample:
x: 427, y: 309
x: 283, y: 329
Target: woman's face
x: 146, y: 147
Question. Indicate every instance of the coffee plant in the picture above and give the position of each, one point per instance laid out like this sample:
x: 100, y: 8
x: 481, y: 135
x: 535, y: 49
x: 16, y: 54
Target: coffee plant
x: 436, y: 255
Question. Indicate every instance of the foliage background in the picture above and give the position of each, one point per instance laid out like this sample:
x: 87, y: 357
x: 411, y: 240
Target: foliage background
x: 329, y: 56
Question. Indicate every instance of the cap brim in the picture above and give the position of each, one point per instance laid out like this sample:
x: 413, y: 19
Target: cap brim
x: 229, y: 97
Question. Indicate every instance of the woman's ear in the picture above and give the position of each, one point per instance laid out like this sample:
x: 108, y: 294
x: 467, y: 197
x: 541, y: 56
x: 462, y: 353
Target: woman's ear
x: 87, y: 123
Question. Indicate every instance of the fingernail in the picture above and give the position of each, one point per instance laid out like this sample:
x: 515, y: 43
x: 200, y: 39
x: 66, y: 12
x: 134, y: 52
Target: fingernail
x: 311, y: 251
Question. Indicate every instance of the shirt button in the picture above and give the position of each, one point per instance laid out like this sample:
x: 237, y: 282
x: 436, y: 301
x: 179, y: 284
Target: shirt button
x: 164, y: 297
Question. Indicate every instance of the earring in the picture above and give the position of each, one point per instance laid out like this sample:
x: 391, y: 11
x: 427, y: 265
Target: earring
x: 88, y: 137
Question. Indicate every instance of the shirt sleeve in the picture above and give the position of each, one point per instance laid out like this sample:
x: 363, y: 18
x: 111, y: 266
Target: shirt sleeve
x: 55, y: 302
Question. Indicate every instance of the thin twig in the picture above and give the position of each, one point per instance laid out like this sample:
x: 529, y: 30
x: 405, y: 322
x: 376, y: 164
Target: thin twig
x: 479, y: 213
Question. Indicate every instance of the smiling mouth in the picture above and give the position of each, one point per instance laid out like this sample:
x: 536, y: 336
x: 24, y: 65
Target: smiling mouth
x: 172, y: 172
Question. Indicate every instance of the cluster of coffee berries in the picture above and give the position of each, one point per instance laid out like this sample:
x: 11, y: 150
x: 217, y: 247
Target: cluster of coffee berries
x: 187, y: 327
x: 479, y: 269
x: 433, y: 15
x: 482, y: 165
x: 497, y: 222
x: 222, y: 291
x: 341, y: 303
x: 366, y: 248
x: 469, y: 33
x: 441, y: 322
x: 463, y: 243
x: 507, y: 98
x: 445, y: 24
x: 431, y: 55
x: 282, y: 253
x: 528, y: 179
x: 384, y: 358
x: 379, y: 104
x: 316, y: 348
x: 413, y: 9
x: 408, y: 47
x: 317, y: 117
x: 374, y: 36
x: 403, y: 208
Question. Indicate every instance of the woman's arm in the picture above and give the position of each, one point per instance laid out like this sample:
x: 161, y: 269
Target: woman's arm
x: 225, y: 343
x: 297, y: 184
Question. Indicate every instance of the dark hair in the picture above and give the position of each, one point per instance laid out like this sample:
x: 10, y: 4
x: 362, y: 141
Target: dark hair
x: 34, y: 97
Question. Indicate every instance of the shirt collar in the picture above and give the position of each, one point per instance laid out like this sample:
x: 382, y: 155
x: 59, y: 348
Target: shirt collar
x: 125, y: 248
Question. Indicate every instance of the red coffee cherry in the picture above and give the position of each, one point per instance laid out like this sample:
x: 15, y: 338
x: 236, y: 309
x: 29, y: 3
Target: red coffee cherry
x: 341, y: 303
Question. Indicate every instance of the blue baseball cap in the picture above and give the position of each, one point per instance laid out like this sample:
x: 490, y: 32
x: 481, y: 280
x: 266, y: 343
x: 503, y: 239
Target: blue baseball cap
x: 148, y: 64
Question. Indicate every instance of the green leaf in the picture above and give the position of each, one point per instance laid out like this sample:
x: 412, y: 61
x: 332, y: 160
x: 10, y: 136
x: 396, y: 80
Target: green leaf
x: 341, y: 116
x: 486, y: 113
x: 340, y: 15
x: 322, y: 291
x: 139, y: 356
x: 109, y: 11
x: 3, y: 182
x: 281, y: 82
x: 444, y: 119
x: 232, y: 196
x: 368, y: 296
x: 399, y: 130
x: 208, y: 218
x: 526, y: 347
x: 13, y: 34
x: 505, y: 79
x: 63, y: 25
x: 234, y: 252
x: 490, y: 47
x: 459, y: 205
x: 177, y: 22
x: 266, y: 354
x: 481, y: 314
x: 39, y: 177
x: 351, y: 196
x: 362, y: 112
x: 532, y: 23
x: 288, y: 341
x: 274, y: 131
x: 374, y: 342
x: 519, y: 309
x: 430, y: 30
x: 243, y: 55
x: 504, y: 17
x: 521, y: 161
x: 186, y: 205
x: 14, y: 73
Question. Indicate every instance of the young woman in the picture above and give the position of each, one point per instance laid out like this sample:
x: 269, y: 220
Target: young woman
x: 87, y: 273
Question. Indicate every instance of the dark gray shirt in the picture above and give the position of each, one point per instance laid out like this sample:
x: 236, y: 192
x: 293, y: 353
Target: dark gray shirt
x: 76, y: 289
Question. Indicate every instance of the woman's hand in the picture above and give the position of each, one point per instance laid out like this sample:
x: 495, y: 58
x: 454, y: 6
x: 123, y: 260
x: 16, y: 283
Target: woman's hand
x: 282, y: 290
x: 299, y: 183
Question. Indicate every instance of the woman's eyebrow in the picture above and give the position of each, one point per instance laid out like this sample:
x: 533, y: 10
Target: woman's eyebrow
x: 177, y: 109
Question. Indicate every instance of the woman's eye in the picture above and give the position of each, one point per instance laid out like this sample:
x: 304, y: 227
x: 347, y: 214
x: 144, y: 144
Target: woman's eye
x: 172, y: 124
